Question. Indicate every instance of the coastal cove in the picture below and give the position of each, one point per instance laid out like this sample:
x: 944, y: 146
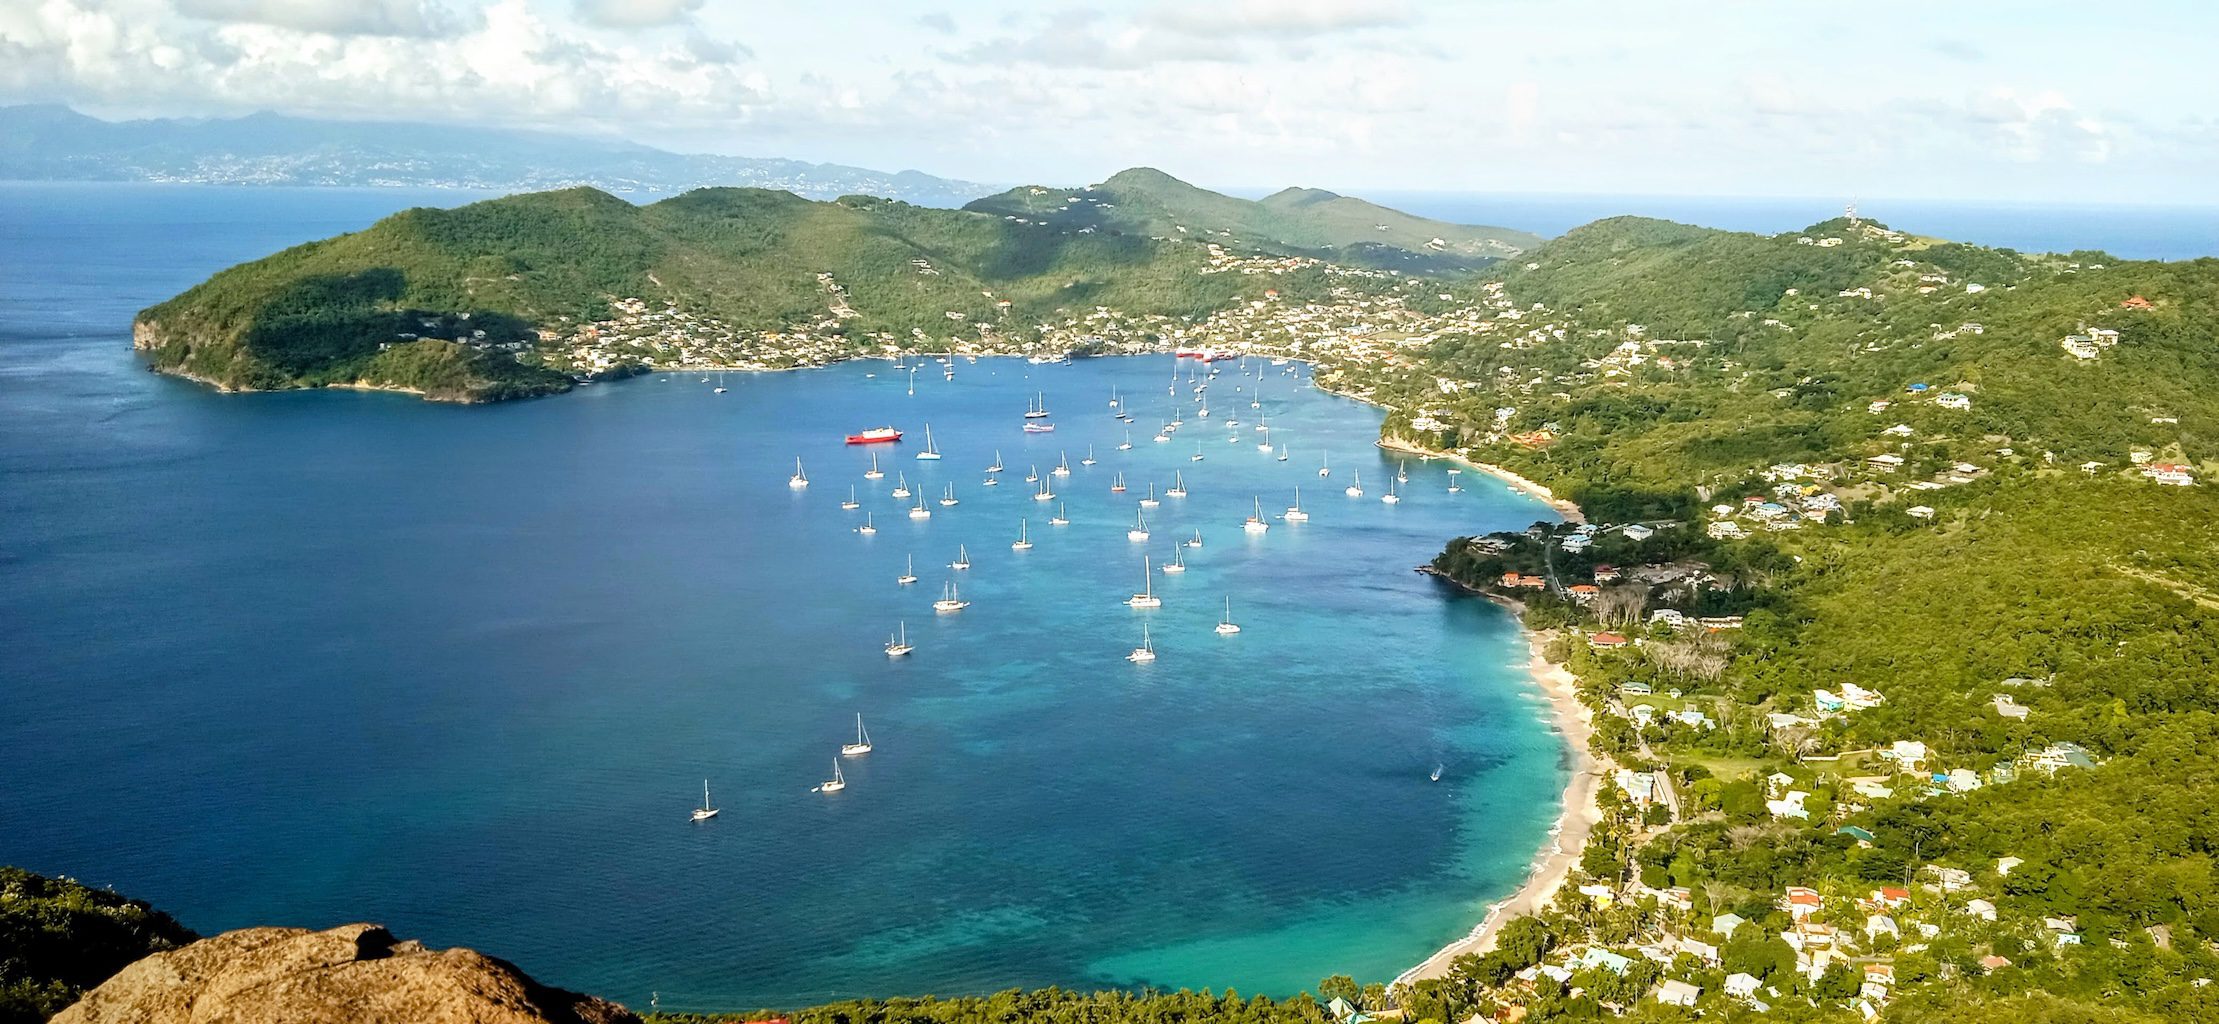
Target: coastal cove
x: 471, y: 665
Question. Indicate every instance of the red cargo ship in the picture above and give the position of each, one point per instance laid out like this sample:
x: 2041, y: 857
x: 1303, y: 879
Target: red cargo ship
x: 876, y: 435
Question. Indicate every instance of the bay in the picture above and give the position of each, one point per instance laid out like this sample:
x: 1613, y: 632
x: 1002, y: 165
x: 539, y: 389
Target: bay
x: 318, y: 657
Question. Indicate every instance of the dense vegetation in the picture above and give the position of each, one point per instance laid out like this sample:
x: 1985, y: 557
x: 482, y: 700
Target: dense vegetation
x: 1298, y: 221
x: 58, y: 938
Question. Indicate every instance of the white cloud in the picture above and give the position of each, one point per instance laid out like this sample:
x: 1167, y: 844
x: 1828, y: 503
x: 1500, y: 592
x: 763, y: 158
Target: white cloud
x: 1280, y: 18
x: 636, y: 13
x: 339, y: 17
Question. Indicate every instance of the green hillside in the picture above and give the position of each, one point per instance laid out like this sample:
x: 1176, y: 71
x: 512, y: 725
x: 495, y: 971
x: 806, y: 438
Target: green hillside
x: 1296, y: 221
x: 59, y: 938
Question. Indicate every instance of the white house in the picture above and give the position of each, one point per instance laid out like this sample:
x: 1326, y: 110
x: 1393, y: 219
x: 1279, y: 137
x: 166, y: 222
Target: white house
x: 1724, y: 924
x: 1674, y: 992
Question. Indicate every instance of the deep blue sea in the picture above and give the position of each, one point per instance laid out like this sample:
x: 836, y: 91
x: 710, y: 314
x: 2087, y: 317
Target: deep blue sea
x: 311, y: 658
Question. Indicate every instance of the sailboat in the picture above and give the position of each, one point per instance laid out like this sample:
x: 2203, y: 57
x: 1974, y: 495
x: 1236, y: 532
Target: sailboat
x: 1196, y: 541
x: 1256, y: 523
x: 1128, y: 445
x: 1265, y: 444
x: 908, y: 575
x: 837, y: 783
x: 932, y: 451
x: 867, y: 528
x: 948, y: 497
x: 1356, y: 489
x: 1391, y: 498
x: 1204, y: 412
x: 1146, y: 652
x: 920, y: 512
x: 1063, y: 465
x: 1089, y: 460
x: 1282, y: 453
x: 1139, y: 531
x: 719, y: 389
x: 997, y: 466
x: 1024, y: 539
x: 1037, y: 409
x: 1402, y: 471
x: 1045, y: 493
x: 1438, y: 767
x: 1176, y: 565
x: 707, y: 810
x: 962, y: 558
x: 851, y: 504
x: 1455, y: 485
x: 949, y: 601
x: 1325, y: 465
x: 1178, y: 488
x: 1113, y: 398
x: 898, y: 644
x: 862, y: 744
x: 1117, y: 484
x: 901, y: 486
x: 1294, y: 511
x: 873, y: 473
x: 1147, y: 597
x: 1032, y: 474
x: 800, y: 479
x: 1059, y: 519
x: 1150, y: 501
x: 1197, y: 456
x: 991, y: 481
x: 1225, y: 626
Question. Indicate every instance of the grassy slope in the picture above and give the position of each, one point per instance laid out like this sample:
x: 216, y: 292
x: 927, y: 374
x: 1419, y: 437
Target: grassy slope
x: 58, y: 938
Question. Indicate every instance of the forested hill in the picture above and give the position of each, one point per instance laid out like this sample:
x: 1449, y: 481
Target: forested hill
x: 404, y: 302
x: 1310, y: 222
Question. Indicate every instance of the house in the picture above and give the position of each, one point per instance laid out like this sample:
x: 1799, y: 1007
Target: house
x: 1597, y: 956
x: 1864, y: 837
x: 1671, y: 617
x: 1920, y: 512
x: 1907, y: 754
x: 1893, y: 897
x: 1952, y: 400
x: 2009, y: 707
x: 1741, y: 986
x: 1342, y: 1010
x: 1700, y: 950
x: 1724, y: 924
x: 1607, y: 573
x: 1674, y: 992
x: 1601, y: 895
x: 1638, y: 532
x: 1871, y: 787
x: 1636, y: 688
x: 1640, y: 787
x: 1950, y: 879
x: 1585, y: 593
x: 1878, y: 981
x: 1778, y: 783
x: 2060, y: 755
x: 1886, y: 462
x: 1727, y: 529
x: 2005, y: 864
x: 1981, y: 909
x: 1801, y: 902
x: 1859, y: 697
x: 2136, y: 302
x: 1899, y: 430
x: 1877, y: 925
x: 1960, y: 780
x: 1607, y: 640
x: 1789, y: 806
x: 1992, y: 962
x: 1828, y: 702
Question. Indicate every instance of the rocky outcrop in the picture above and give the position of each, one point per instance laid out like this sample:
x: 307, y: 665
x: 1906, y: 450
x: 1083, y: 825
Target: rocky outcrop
x: 357, y: 974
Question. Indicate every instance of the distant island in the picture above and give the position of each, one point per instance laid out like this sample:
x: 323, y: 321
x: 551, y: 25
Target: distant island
x: 523, y: 295
x: 54, y: 143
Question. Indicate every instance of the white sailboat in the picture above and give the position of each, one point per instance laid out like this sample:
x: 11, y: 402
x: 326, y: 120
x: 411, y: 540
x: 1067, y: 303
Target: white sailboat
x: 1176, y: 565
x: 948, y: 497
x: 1325, y: 465
x: 901, y: 486
x: 1117, y: 484
x: 1225, y: 626
x: 1139, y: 532
x: 1178, y: 487
x: 1265, y: 444
x: 1256, y: 523
x: 1282, y: 453
x: 873, y: 472
x: 991, y: 481
x: 867, y: 528
x: 1063, y: 465
x: 962, y: 558
x: 707, y: 810
x: 997, y: 466
x: 1146, y: 652
x: 920, y: 512
x: 1197, y: 456
x: 1294, y: 511
x: 1356, y: 489
x: 1438, y: 768
x: 1128, y: 445
x: 932, y: 451
x: 908, y: 575
x: 897, y: 645
x: 1390, y: 498
x: 851, y: 504
x: 1089, y: 460
x: 1024, y: 538
x: 1196, y: 540
x: 1455, y: 484
x: 949, y: 600
x: 1037, y: 409
x: 862, y: 744
x: 1147, y: 597
x: 1059, y: 519
x: 1150, y: 501
x: 837, y: 783
x: 1032, y: 474
x: 800, y: 479
x: 1045, y: 493
x: 1402, y: 471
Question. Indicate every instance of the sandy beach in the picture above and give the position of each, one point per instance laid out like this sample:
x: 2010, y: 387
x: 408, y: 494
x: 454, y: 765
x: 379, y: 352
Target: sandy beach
x: 1568, y: 510
x: 1555, y: 863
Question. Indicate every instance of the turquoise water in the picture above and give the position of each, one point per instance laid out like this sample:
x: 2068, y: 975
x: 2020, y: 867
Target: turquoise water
x: 314, y: 658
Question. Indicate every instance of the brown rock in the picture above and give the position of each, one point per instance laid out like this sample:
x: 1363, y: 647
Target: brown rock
x: 355, y: 974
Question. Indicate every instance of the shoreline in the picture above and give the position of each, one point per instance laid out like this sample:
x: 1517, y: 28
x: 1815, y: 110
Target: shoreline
x: 1553, y: 863
x: 1563, y: 507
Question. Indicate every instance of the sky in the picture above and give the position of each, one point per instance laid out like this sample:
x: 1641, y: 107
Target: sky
x: 1953, y: 99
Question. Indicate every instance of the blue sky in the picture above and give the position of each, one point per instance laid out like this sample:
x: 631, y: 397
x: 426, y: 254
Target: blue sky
x: 2018, y: 101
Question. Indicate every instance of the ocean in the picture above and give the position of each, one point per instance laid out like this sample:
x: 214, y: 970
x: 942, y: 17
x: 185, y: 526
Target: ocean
x: 312, y: 658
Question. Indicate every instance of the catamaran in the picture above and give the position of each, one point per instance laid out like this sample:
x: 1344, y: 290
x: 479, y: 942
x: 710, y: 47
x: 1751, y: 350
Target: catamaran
x: 962, y: 558
x: 800, y: 479
x: 932, y: 451
x: 948, y: 497
x: 1294, y: 511
x: 1225, y: 626
x: 1139, y: 532
x: 949, y: 601
x: 1059, y: 519
x: 901, y: 486
x: 1146, y: 652
x: 873, y: 473
x: 908, y: 575
x: 862, y: 744
x: 1150, y: 501
x: 851, y: 504
x: 1178, y: 488
x: 1256, y: 523
x: 707, y: 810
x: 867, y: 528
x: 1356, y: 489
x: 1177, y: 564
x: 1390, y: 498
x: 1147, y: 597
x: 1024, y: 539
x: 837, y: 783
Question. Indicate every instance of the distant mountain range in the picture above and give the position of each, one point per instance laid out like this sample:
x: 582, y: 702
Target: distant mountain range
x: 1295, y: 221
x: 55, y: 143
